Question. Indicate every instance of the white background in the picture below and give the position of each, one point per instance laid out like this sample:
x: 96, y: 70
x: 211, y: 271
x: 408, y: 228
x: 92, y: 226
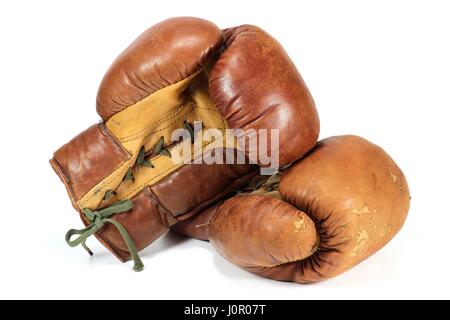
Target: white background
x: 379, y: 69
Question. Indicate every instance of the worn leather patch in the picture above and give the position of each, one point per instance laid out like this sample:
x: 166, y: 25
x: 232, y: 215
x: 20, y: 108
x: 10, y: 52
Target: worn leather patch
x: 79, y: 159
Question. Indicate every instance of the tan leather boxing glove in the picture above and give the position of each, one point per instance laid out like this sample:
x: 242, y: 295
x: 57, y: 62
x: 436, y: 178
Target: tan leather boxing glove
x: 325, y: 214
x: 120, y: 174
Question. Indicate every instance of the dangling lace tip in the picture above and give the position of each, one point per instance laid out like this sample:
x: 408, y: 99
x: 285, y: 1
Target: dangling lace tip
x: 87, y: 249
x: 138, y: 267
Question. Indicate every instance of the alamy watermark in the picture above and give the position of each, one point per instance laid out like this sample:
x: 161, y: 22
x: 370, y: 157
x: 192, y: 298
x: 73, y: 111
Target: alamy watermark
x: 238, y: 146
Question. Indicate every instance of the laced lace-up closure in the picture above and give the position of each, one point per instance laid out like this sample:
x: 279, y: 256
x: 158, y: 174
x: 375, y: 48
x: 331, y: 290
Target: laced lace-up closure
x: 98, y: 219
x: 143, y: 160
x: 108, y: 194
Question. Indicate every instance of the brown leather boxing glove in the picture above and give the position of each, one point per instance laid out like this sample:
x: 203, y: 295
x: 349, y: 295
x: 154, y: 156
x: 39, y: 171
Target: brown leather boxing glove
x: 325, y: 214
x: 120, y: 174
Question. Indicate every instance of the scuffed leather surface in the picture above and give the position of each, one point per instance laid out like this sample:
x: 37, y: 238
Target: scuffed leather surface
x: 79, y: 159
x: 357, y: 196
x: 166, y: 53
x: 259, y: 230
x: 255, y: 85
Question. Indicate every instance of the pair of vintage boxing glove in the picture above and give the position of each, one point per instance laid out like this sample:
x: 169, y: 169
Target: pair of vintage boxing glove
x: 338, y: 205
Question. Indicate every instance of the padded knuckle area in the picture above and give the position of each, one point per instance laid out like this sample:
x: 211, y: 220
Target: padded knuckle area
x: 255, y: 85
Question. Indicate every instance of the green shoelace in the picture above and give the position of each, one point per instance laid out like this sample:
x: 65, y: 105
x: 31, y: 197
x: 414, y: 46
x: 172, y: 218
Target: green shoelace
x: 97, y: 220
x: 142, y: 161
